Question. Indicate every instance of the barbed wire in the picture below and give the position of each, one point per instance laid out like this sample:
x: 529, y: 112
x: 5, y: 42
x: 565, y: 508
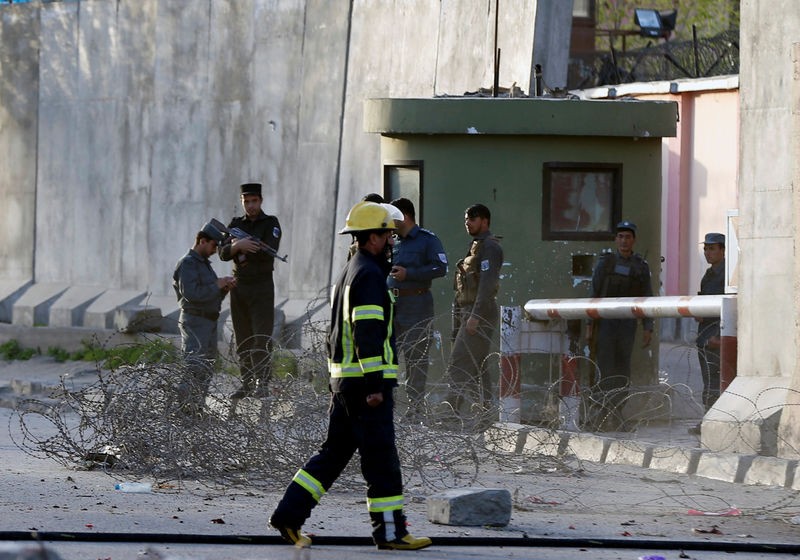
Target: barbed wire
x: 129, y: 422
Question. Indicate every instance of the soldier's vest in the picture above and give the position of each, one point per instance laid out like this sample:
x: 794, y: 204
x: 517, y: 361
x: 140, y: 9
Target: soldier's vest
x: 468, y: 275
x: 623, y: 279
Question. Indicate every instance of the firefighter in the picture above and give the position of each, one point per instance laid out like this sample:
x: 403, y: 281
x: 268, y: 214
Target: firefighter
x: 363, y: 373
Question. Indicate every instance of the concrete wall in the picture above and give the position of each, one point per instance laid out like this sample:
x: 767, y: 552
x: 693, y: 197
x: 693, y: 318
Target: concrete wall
x: 768, y: 225
x: 127, y: 124
x: 19, y: 84
x: 699, y: 166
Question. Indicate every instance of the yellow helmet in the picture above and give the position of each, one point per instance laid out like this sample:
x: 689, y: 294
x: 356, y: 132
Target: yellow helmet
x: 368, y: 216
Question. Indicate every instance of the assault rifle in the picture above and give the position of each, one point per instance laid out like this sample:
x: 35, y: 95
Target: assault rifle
x: 238, y: 233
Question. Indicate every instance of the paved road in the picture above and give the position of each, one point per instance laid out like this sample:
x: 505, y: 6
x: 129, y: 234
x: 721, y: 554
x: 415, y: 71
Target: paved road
x: 588, y: 501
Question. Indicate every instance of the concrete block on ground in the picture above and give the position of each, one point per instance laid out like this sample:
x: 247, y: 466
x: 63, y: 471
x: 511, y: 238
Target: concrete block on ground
x: 470, y: 506
x: 10, y: 292
x: 676, y: 459
x: 27, y: 551
x: 170, y: 312
x: 506, y: 436
x: 629, y: 452
x: 100, y: 314
x: 544, y: 442
x: 33, y: 307
x: 771, y: 471
x: 296, y: 312
x: 746, y: 417
x: 588, y: 447
x: 68, y: 309
x: 728, y: 467
x: 25, y: 387
x: 71, y: 338
x: 137, y: 318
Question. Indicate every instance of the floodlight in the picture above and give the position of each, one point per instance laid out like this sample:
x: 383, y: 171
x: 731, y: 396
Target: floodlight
x: 653, y: 23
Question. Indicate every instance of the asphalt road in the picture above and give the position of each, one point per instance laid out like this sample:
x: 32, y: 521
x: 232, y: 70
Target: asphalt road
x: 567, y: 501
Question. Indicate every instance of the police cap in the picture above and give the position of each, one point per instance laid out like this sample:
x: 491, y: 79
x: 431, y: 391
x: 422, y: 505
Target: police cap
x: 627, y: 226
x: 251, y: 188
x: 210, y: 230
x: 714, y: 238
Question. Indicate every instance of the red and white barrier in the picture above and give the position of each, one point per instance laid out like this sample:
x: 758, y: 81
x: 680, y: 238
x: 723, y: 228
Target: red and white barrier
x: 543, y: 332
x: 624, y: 307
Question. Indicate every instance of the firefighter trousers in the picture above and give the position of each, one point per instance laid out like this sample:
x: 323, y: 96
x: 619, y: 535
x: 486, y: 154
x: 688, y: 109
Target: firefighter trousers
x: 353, y: 425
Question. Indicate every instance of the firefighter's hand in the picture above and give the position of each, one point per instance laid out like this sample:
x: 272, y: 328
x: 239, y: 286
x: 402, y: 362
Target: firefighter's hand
x: 374, y: 399
x: 647, y: 336
x: 472, y: 325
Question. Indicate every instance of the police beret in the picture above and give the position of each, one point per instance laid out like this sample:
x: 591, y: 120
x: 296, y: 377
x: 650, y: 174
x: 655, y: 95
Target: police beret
x: 714, y: 238
x: 629, y: 226
x: 251, y: 188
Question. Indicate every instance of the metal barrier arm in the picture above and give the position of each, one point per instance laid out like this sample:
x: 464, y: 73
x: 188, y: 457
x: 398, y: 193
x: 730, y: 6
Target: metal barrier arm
x: 625, y: 307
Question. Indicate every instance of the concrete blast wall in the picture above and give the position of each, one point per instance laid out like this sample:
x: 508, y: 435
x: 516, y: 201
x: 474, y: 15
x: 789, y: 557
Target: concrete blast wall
x: 127, y: 124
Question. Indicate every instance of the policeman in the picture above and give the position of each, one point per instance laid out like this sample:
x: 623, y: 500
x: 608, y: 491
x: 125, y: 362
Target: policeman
x: 363, y: 373
x: 475, y: 316
x: 708, y: 340
x: 200, y: 294
x: 619, y: 274
x: 417, y: 258
x: 253, y: 298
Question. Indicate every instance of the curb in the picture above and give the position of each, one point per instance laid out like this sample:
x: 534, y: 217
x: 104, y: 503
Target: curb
x: 727, y: 467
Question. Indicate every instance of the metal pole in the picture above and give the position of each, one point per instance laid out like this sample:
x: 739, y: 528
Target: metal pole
x: 625, y: 308
x: 496, y: 51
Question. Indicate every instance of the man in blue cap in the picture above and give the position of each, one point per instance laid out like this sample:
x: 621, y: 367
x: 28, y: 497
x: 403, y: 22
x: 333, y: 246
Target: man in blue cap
x: 418, y: 258
x: 200, y: 294
x: 708, y: 335
x: 622, y: 273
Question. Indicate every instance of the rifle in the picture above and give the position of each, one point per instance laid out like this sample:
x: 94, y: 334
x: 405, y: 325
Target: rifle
x: 238, y: 233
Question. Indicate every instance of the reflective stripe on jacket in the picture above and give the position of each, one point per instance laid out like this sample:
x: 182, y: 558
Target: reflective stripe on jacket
x: 361, y: 347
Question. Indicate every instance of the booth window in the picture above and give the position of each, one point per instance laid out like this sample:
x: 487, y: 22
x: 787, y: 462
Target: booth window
x: 404, y: 179
x: 581, y: 201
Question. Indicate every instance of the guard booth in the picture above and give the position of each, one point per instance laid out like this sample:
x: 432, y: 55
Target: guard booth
x: 557, y: 175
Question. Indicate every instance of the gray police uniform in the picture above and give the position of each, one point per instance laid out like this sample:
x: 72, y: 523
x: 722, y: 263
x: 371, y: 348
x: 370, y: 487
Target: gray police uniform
x: 200, y: 299
x: 476, y: 283
x: 618, y: 276
x: 420, y: 252
x: 713, y: 282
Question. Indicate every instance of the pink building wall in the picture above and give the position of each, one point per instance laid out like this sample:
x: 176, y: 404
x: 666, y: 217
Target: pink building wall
x: 700, y: 170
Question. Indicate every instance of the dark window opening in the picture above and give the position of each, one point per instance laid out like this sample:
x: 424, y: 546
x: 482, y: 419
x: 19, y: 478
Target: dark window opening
x: 404, y: 179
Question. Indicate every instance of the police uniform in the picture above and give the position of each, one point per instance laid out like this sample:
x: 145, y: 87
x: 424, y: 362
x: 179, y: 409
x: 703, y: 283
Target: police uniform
x: 476, y: 284
x: 200, y: 299
x: 713, y: 282
x: 618, y: 276
x: 253, y: 297
x: 362, y: 361
x: 421, y: 253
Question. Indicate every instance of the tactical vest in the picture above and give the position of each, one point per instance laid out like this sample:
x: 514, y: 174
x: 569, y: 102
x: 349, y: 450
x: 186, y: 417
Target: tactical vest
x: 623, y: 280
x: 468, y: 275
